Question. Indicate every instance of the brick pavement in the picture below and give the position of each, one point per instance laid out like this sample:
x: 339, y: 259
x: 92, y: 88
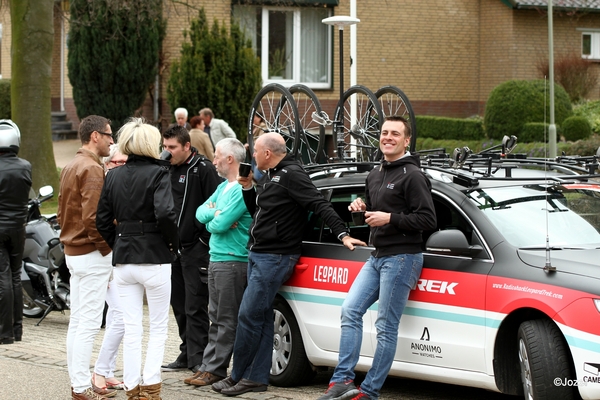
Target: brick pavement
x: 44, y: 346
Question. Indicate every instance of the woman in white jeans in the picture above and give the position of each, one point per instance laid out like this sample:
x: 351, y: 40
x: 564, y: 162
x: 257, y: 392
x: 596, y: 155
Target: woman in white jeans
x: 104, y: 370
x: 144, y: 241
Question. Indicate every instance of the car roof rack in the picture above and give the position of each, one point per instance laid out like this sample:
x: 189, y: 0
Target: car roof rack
x: 467, y: 169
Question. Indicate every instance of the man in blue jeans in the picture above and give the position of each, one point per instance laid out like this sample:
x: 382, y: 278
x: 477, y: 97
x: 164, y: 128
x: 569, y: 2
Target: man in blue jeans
x: 398, y: 207
x: 279, y: 204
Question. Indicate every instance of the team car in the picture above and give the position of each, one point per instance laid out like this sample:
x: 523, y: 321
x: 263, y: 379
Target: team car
x: 509, y: 296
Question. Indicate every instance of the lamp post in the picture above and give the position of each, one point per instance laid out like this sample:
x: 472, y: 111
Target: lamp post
x: 552, y: 126
x: 341, y: 21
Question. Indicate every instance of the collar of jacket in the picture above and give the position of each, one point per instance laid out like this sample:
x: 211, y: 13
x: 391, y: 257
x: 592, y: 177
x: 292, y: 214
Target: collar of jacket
x: 408, y: 159
x: 91, y: 154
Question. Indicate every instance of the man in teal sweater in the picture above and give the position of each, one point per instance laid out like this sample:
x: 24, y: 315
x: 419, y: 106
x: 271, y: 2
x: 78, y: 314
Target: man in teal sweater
x: 227, y: 219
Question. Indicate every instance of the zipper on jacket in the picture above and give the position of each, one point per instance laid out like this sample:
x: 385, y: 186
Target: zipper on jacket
x: 257, y: 213
x: 379, y: 191
x: 187, y: 173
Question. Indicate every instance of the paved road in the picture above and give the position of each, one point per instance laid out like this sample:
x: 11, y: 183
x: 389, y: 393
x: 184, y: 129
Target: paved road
x: 36, y: 369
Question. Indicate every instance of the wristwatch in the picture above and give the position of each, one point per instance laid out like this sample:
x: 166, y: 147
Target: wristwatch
x: 342, y: 236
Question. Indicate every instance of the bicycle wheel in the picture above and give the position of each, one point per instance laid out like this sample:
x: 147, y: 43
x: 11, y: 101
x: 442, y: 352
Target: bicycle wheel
x: 311, y: 136
x: 357, y: 133
x: 275, y: 111
x: 393, y: 101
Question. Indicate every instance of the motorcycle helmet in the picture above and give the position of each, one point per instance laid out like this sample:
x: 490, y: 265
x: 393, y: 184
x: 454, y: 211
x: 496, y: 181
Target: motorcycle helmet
x: 10, y: 136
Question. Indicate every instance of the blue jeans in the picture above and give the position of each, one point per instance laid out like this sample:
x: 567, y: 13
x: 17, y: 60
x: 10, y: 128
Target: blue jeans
x: 388, y: 279
x: 253, y: 346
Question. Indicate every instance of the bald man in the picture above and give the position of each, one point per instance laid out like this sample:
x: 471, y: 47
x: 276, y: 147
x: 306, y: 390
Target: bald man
x: 279, y: 204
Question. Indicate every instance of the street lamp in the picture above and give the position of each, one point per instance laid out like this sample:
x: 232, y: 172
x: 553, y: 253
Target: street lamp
x: 341, y: 21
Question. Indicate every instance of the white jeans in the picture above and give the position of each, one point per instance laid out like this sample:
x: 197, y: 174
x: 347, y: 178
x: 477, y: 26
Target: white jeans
x: 113, y: 334
x: 89, y: 277
x: 132, y: 279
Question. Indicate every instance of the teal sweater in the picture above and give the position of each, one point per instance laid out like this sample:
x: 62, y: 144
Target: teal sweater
x: 226, y: 243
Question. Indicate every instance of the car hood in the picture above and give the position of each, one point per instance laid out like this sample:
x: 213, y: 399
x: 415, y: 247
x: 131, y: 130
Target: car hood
x: 585, y: 262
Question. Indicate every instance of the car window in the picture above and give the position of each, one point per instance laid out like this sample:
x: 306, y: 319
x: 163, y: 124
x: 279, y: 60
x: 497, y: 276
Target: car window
x: 318, y: 231
x: 526, y: 215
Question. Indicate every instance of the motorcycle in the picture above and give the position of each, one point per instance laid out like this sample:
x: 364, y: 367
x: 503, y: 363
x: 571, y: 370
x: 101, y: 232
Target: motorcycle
x: 44, y: 276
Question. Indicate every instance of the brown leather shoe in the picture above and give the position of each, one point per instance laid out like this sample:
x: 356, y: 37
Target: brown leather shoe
x: 190, y: 378
x: 206, y: 379
x: 223, y: 384
x: 244, y: 386
x: 89, y: 394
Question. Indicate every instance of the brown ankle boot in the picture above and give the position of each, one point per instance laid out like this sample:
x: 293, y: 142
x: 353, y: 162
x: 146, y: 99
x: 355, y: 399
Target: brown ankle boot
x: 133, y: 394
x: 150, y: 392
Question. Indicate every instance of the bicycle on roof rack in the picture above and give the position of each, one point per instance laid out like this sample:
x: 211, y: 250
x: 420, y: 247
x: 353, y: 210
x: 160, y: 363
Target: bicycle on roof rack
x: 296, y: 114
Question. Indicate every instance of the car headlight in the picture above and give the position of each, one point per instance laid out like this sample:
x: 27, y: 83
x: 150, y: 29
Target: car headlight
x: 597, y: 303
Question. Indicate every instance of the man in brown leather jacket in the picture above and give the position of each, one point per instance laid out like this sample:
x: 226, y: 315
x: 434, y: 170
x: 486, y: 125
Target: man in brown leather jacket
x: 88, y: 256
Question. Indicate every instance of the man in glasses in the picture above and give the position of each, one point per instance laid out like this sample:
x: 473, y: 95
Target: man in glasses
x: 88, y: 256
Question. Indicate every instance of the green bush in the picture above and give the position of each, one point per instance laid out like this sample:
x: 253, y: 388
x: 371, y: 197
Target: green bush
x: 576, y: 128
x: 217, y: 69
x: 449, y: 128
x: 586, y: 147
x: 591, y: 111
x: 536, y: 132
x: 514, y: 103
x: 5, y: 99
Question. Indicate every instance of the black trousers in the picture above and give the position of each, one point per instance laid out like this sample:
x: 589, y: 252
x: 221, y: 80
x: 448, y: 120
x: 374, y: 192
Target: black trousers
x: 189, y: 299
x: 11, y: 290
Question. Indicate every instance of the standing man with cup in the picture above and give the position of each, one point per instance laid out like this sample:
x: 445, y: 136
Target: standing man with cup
x: 398, y: 207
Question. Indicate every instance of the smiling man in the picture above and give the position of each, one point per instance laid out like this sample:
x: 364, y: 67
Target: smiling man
x: 398, y: 207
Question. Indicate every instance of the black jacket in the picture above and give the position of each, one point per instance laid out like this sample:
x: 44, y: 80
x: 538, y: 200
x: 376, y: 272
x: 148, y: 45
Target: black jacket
x: 400, y: 188
x: 199, y: 179
x: 138, y: 197
x: 280, y: 204
x: 15, y: 183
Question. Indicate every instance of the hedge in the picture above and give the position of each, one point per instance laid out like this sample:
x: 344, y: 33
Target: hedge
x: 449, y: 128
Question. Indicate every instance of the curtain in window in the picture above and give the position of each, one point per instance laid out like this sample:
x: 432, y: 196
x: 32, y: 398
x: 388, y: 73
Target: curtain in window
x: 314, y: 49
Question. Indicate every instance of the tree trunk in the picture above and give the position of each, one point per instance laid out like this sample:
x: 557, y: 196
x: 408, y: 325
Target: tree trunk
x: 32, y: 41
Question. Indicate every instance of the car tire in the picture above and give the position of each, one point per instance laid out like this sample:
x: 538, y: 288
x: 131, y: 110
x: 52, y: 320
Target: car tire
x: 545, y: 363
x: 290, y: 366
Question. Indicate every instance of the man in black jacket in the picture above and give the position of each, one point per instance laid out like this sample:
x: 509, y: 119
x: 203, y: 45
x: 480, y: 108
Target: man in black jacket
x: 193, y: 180
x: 398, y: 207
x: 15, y: 183
x: 279, y: 203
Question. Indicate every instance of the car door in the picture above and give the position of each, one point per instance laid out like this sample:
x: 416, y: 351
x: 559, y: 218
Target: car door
x: 324, y: 275
x: 444, y: 321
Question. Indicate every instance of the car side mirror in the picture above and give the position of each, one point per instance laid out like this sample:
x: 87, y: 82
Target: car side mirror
x: 451, y: 242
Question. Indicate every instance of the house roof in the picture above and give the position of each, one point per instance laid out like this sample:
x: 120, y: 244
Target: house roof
x: 570, y: 5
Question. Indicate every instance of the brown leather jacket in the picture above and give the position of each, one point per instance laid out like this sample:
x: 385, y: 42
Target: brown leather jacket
x: 80, y: 187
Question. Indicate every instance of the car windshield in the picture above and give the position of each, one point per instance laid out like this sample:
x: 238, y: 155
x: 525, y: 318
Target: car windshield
x: 568, y: 214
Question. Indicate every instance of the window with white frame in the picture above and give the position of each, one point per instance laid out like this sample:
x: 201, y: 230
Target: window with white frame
x: 590, y: 44
x: 294, y: 46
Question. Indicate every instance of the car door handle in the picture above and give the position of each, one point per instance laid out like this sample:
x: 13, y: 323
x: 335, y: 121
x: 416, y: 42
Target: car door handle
x: 301, y: 267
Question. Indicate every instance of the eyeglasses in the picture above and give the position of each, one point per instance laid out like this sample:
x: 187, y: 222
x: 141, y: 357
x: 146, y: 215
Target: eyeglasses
x: 106, y: 134
x: 116, y: 162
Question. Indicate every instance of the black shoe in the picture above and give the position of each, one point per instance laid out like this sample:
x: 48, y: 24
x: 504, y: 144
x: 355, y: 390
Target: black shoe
x: 195, y: 368
x: 244, y: 386
x: 223, y: 384
x: 174, y: 366
x: 7, y: 340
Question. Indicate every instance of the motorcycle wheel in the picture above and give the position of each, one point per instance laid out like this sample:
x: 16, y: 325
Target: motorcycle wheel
x: 30, y: 308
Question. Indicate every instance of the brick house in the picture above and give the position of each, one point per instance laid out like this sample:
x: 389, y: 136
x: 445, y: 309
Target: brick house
x: 446, y: 55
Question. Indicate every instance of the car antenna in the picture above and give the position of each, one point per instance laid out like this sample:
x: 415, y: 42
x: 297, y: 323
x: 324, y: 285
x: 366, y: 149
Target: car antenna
x: 548, y: 267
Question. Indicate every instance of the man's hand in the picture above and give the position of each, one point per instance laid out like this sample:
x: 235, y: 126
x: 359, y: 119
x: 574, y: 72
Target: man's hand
x: 357, y: 205
x: 350, y: 242
x: 377, y: 218
x: 245, y: 181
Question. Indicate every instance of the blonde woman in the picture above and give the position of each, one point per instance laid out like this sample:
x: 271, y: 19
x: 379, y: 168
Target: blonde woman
x: 144, y: 242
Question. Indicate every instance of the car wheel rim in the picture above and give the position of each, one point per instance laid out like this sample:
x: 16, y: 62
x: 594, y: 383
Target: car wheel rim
x: 282, y: 344
x: 525, y: 370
